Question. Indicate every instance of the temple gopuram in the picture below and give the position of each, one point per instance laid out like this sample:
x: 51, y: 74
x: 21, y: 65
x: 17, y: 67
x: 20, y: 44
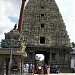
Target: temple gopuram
x: 41, y: 30
x: 45, y: 33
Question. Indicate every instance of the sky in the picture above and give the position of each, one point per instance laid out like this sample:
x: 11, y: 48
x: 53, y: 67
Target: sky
x: 10, y: 9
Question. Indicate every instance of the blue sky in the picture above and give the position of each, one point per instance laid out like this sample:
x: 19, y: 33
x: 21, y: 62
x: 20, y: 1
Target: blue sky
x: 9, y: 14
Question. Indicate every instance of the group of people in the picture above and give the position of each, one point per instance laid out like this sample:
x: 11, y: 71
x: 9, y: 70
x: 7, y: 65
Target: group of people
x: 57, y: 69
x: 44, y: 69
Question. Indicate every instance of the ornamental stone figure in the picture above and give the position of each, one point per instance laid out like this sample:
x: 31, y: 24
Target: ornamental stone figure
x: 15, y: 27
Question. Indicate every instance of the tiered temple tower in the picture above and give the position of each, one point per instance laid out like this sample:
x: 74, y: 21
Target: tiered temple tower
x: 45, y: 33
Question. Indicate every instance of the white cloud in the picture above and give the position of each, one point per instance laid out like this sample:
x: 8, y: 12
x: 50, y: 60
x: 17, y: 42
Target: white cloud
x: 67, y: 10
x: 12, y: 7
x: 2, y: 7
x: 8, y: 8
x: 74, y: 18
x: 61, y: 4
x: 70, y: 27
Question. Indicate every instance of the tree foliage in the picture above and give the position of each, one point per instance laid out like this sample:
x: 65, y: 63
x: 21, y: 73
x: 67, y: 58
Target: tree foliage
x: 73, y: 44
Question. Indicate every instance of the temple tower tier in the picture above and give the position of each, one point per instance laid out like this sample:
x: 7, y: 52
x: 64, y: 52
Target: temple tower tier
x: 12, y: 52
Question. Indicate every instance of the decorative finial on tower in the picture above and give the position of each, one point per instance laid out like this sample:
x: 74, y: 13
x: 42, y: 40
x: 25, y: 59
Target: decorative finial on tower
x: 15, y: 27
x: 21, y: 16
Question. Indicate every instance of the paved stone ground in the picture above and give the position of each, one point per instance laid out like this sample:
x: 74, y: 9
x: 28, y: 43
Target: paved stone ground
x: 61, y: 74
x: 58, y: 74
x: 46, y: 74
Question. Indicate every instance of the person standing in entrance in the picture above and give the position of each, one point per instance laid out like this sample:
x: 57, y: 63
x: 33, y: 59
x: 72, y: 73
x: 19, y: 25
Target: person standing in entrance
x: 45, y: 69
x: 48, y: 69
x: 27, y: 68
x: 57, y: 69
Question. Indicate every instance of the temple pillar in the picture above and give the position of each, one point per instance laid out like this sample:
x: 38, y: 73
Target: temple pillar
x: 19, y: 65
x: 50, y: 57
x: 1, y: 66
x: 34, y: 64
x: 7, y: 63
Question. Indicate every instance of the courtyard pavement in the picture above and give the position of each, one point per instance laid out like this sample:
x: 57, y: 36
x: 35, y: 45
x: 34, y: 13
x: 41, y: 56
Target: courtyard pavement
x: 58, y: 74
x: 46, y: 74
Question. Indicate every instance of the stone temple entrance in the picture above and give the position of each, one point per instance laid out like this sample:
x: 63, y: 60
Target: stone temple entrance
x: 44, y: 31
x: 53, y: 55
x: 45, y: 54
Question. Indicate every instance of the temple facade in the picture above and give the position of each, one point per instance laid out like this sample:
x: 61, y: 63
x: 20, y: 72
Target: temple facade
x: 45, y: 33
x: 12, y: 52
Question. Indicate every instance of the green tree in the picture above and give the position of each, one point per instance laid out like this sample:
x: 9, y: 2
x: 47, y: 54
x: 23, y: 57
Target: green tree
x: 73, y: 44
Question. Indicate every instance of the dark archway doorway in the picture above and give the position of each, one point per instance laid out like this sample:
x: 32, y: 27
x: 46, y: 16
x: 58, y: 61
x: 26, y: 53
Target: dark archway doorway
x: 41, y: 62
x: 45, y: 54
